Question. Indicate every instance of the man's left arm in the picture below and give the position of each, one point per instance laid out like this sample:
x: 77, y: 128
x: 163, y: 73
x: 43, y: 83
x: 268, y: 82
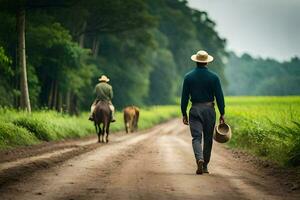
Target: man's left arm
x: 220, y: 99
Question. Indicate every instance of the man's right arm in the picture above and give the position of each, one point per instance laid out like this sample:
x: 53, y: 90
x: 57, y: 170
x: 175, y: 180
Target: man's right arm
x: 184, y: 98
x: 111, y: 94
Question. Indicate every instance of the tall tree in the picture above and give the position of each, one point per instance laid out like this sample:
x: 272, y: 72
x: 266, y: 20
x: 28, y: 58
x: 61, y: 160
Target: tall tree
x: 145, y: 49
x: 24, y: 100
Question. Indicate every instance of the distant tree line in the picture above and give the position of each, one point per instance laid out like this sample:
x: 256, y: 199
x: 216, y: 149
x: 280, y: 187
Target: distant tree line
x: 52, y: 52
x: 247, y: 75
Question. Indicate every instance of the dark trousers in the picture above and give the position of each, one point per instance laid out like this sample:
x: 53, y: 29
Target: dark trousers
x: 202, y: 120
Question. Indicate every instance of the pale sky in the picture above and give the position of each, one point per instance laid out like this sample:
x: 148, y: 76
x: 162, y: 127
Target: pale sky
x: 265, y: 28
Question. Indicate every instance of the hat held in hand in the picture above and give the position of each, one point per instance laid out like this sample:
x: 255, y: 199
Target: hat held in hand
x: 222, y: 133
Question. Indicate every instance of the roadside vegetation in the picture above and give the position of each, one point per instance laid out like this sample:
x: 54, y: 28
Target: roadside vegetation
x: 18, y: 128
x: 266, y: 126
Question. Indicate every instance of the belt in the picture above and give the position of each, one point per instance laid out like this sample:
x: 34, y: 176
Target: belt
x: 212, y: 104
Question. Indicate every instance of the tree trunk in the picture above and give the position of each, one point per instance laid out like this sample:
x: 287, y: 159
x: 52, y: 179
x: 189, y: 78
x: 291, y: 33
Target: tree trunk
x: 50, y: 98
x: 68, y: 102
x: 73, y: 104
x: 59, y: 103
x: 24, y: 100
x: 54, y: 104
x: 95, y: 48
x: 16, y: 80
x: 82, y: 36
x: 75, y: 110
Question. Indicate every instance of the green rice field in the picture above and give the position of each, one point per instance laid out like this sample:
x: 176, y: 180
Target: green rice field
x: 266, y: 126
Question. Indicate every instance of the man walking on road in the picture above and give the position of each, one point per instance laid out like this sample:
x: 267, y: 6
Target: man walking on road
x: 202, y: 87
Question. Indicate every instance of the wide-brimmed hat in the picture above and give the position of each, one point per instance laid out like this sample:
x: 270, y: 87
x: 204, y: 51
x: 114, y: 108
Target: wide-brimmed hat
x: 103, y: 78
x: 202, y: 57
x: 222, y: 133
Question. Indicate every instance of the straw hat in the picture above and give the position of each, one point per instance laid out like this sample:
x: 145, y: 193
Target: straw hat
x: 222, y: 133
x: 103, y: 78
x: 202, y: 57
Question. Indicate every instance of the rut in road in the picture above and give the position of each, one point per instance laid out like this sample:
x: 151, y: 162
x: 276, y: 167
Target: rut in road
x: 157, y: 164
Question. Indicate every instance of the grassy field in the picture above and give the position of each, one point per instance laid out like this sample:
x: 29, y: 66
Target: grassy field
x: 266, y: 126
x: 20, y: 129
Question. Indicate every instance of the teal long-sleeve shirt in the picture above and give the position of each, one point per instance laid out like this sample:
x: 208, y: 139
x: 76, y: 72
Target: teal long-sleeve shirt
x: 201, y: 85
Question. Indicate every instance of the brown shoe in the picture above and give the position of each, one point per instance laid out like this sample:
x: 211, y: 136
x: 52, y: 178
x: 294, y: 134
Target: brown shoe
x: 200, y: 167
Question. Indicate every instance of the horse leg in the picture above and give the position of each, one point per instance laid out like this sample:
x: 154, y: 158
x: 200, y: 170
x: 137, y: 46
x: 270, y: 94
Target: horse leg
x: 96, y: 128
x: 136, y: 123
x: 107, y: 131
x: 99, y: 132
x: 126, y: 123
x: 126, y: 127
x: 102, y: 133
x: 137, y: 115
x: 131, y: 126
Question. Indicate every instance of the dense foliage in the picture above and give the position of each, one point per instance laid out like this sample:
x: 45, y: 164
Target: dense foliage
x: 144, y: 47
x: 266, y: 126
x: 256, y: 76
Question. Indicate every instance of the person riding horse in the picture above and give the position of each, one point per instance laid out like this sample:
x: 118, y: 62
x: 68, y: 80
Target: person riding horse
x: 103, y: 92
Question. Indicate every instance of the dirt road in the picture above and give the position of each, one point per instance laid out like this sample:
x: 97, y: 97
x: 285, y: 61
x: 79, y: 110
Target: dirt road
x: 155, y: 164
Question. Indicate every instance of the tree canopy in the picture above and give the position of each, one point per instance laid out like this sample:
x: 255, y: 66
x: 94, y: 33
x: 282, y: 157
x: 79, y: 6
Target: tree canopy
x: 143, y: 46
x: 247, y: 75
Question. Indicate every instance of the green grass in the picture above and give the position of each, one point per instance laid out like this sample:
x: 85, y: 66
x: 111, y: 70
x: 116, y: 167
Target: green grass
x: 19, y: 128
x: 12, y: 136
x: 266, y: 126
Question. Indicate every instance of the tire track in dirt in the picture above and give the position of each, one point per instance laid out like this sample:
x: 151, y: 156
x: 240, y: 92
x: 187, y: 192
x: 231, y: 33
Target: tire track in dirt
x: 78, y: 171
x: 165, y: 172
x: 230, y: 180
x: 18, y: 163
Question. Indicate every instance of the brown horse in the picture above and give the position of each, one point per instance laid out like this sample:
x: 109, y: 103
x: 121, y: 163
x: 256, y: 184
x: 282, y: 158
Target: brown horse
x: 131, y: 118
x: 102, y: 115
